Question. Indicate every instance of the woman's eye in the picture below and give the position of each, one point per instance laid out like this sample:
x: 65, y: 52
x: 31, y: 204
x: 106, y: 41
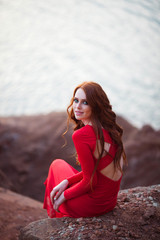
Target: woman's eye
x: 75, y: 100
x: 85, y: 103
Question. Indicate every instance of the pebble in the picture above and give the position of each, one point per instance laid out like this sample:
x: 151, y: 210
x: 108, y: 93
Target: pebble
x: 97, y: 232
x: 149, y: 205
x: 141, y: 221
x: 93, y: 236
x: 120, y: 233
x: 120, y: 224
x: 150, y: 212
x: 82, y: 228
x: 114, y: 213
x: 71, y: 228
x: 113, y: 222
x: 150, y: 198
x: 79, y: 219
x: 155, y: 204
x: 99, y: 220
x: 114, y: 227
x: 98, y: 226
x: 126, y: 199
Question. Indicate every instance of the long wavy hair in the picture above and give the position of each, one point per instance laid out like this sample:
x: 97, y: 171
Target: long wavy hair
x: 102, y: 116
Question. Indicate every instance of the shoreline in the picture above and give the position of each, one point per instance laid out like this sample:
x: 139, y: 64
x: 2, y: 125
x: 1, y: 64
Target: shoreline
x: 138, y: 126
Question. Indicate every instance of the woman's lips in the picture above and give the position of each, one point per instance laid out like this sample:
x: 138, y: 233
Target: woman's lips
x: 78, y: 113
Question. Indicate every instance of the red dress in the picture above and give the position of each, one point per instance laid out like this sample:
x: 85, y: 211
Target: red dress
x: 81, y: 201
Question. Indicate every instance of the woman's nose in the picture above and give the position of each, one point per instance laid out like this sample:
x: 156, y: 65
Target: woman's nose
x: 78, y: 105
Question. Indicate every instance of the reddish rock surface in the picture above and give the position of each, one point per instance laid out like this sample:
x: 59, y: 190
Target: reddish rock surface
x: 136, y: 216
x: 17, y: 211
x: 143, y: 153
x: 28, y: 144
x: 27, y: 147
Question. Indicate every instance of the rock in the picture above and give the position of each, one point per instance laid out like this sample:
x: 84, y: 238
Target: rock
x: 16, y: 211
x: 28, y: 144
x: 113, y: 222
x: 43, y: 229
x: 109, y: 226
x: 149, y: 213
x: 5, y: 182
x: 114, y: 227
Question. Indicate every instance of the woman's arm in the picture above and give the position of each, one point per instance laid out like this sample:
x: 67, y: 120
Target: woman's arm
x: 75, y: 178
x: 86, y: 159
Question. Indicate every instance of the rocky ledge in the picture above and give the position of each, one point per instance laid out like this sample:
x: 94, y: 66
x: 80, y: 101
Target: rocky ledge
x: 136, y: 216
x: 17, y: 211
x: 28, y: 145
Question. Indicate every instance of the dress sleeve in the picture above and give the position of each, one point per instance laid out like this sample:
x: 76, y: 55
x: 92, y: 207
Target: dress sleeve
x: 75, y: 178
x: 85, y: 156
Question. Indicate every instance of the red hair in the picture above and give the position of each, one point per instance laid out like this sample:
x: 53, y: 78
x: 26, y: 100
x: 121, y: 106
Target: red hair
x: 102, y: 116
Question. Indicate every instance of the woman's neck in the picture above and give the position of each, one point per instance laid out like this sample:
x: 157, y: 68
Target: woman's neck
x: 87, y: 123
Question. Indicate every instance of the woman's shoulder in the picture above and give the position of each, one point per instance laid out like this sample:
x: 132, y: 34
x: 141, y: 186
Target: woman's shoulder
x: 107, y: 137
x: 85, y: 133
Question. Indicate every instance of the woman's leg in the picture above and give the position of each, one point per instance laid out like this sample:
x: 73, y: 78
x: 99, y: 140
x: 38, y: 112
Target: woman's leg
x: 58, y: 171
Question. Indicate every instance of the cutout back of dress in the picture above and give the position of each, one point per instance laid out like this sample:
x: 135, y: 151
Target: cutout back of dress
x: 109, y: 170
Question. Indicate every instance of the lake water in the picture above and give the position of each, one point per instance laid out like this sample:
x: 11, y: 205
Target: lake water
x: 48, y: 47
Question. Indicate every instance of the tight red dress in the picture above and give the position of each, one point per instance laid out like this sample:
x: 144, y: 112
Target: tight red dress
x: 81, y: 200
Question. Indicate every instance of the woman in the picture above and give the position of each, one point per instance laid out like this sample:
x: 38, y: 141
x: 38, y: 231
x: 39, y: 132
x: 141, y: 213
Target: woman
x: 97, y: 139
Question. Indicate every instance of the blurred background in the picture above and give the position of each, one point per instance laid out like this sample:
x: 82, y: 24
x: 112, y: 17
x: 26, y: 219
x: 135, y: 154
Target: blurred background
x: 48, y: 47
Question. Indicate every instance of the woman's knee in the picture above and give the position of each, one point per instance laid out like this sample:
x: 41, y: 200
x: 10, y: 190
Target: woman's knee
x: 57, y: 162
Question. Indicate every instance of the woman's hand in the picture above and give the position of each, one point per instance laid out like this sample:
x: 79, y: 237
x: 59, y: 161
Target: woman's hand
x: 59, y: 201
x: 57, y: 191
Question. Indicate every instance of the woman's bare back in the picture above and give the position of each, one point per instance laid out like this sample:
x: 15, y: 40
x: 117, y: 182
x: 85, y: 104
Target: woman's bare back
x: 109, y: 171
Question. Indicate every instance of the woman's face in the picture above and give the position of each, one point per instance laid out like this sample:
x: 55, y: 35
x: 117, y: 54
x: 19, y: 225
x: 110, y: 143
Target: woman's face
x: 81, y: 109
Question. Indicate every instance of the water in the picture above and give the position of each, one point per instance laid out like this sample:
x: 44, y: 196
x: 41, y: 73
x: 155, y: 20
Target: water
x: 48, y: 47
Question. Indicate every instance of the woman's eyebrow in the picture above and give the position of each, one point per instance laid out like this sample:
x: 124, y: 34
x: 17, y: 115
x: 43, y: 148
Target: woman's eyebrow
x: 83, y: 99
